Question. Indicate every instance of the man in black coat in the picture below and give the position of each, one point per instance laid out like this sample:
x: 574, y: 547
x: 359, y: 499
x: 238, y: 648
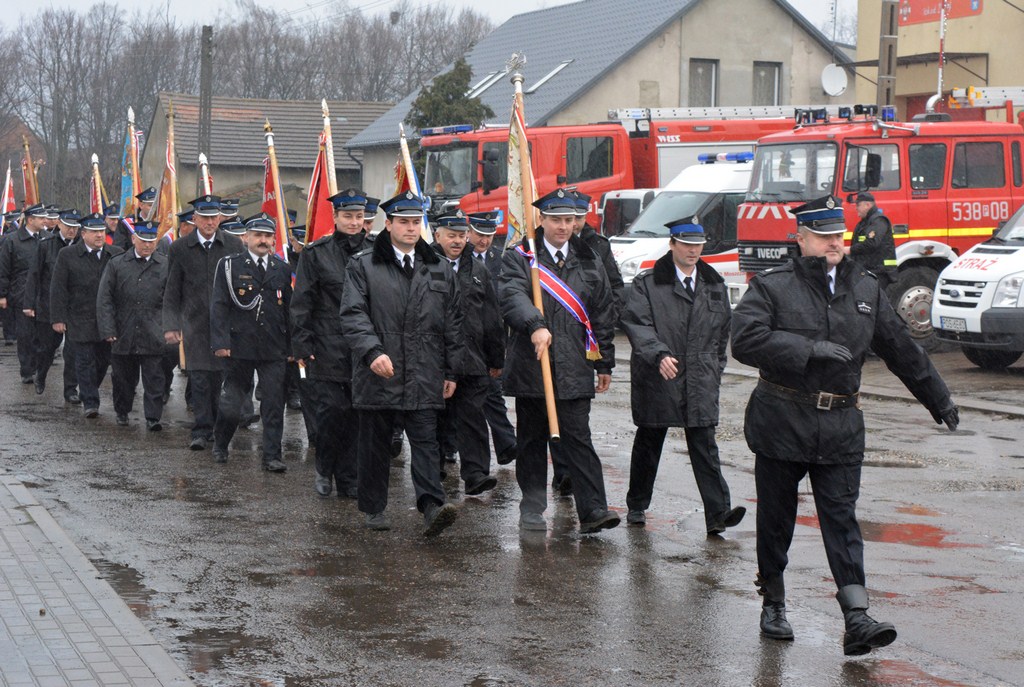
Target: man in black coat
x: 401, y: 319
x: 600, y: 245
x: 18, y: 254
x: 318, y: 344
x: 186, y: 312
x: 677, y: 321
x: 807, y: 326
x: 129, y: 306
x: 872, y: 243
x: 482, y: 227
x: 249, y: 329
x: 118, y: 233
x: 462, y: 423
x: 73, y: 291
x: 37, y: 305
x: 580, y: 344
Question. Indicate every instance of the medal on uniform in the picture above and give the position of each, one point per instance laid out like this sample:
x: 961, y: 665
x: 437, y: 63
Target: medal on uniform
x: 241, y: 292
x: 279, y: 301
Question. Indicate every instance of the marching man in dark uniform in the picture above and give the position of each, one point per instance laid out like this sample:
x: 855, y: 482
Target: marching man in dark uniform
x: 249, y: 328
x: 186, y: 313
x: 318, y: 344
x: 872, y: 243
x: 483, y: 333
x: 401, y: 318
x: 118, y: 233
x: 37, y: 305
x: 677, y: 320
x: 482, y: 227
x: 578, y: 335
x: 144, y: 208
x: 17, y: 254
x: 808, y: 325
x: 600, y: 245
x: 129, y: 305
x: 73, y: 291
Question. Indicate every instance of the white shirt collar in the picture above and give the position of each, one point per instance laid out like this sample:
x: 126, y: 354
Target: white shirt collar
x: 552, y: 250
x: 256, y: 258
x: 682, y: 275
x: 400, y: 256
x: 139, y: 257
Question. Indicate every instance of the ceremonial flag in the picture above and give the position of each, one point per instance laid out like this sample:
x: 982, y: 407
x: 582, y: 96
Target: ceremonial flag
x: 28, y: 175
x: 131, y: 184
x: 7, y: 204
x: 410, y: 181
x: 518, y: 169
x: 273, y: 200
x: 205, y: 177
x: 167, y: 200
x: 401, y: 181
x: 319, y: 210
x: 95, y: 187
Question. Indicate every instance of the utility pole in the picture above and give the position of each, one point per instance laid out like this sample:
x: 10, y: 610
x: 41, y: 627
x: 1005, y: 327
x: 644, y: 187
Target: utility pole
x: 205, y: 97
x: 887, y: 53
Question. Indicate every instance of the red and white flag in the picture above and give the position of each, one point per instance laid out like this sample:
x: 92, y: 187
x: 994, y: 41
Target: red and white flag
x: 7, y: 204
x: 319, y: 210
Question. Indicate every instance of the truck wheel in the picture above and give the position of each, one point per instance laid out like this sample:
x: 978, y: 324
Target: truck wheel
x: 911, y: 297
x: 990, y: 359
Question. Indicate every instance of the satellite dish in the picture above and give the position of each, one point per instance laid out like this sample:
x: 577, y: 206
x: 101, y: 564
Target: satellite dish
x: 833, y: 80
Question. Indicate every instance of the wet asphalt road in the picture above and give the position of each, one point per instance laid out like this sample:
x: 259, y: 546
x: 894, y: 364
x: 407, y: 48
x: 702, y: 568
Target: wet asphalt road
x: 251, y: 578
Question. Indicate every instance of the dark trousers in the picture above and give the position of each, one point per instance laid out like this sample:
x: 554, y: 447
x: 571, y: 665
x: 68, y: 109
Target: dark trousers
x: 206, y: 390
x: 308, y: 397
x: 125, y: 371
x: 28, y: 342
x: 582, y: 463
x: 374, y: 446
x: 707, y: 470
x: 168, y: 361
x: 463, y: 419
x: 70, y: 371
x: 337, y: 432
x: 503, y: 435
x: 835, y: 488
x: 92, y: 358
x: 9, y: 324
x: 238, y: 383
x: 49, y: 341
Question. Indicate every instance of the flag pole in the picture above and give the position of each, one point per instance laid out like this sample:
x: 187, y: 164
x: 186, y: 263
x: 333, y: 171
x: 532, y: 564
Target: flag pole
x: 414, y: 184
x: 175, y: 201
x: 526, y: 181
x: 28, y: 175
x: 133, y: 153
x: 332, y: 174
x: 7, y: 187
x: 96, y: 196
x: 204, y: 173
x: 282, y: 217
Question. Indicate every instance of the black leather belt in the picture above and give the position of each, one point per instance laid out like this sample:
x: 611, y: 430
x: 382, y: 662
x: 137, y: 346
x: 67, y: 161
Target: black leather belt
x: 822, y: 400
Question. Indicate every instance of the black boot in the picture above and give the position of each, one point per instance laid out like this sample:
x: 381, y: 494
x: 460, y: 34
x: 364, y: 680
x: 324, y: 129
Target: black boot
x: 773, y: 611
x: 863, y: 633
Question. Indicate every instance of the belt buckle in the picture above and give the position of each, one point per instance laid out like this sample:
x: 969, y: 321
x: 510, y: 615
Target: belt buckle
x: 824, y: 400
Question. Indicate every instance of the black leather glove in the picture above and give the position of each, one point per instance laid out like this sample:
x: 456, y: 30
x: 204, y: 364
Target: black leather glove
x: 950, y: 415
x: 826, y: 350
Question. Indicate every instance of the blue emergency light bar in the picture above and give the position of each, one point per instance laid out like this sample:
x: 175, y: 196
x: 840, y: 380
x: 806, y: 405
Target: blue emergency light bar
x: 711, y: 158
x: 447, y: 130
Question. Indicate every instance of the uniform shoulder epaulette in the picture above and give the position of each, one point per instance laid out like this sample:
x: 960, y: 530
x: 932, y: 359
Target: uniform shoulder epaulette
x: 320, y: 241
x: 365, y: 251
x: 277, y: 258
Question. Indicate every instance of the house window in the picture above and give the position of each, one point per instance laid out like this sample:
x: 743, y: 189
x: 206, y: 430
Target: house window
x: 767, y: 83
x: 703, y: 83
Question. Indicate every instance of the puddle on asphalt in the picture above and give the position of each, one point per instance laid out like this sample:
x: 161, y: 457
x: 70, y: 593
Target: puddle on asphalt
x: 212, y: 649
x: 913, y: 509
x: 127, y: 582
x: 911, y: 534
x: 894, y: 672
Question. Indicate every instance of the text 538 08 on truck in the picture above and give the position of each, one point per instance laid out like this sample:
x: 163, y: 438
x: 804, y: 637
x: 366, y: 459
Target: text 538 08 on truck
x: 944, y: 186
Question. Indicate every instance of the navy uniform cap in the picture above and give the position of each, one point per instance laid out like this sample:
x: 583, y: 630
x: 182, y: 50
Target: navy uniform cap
x: 293, y: 216
x: 582, y: 203
x: 262, y: 222
x: 822, y: 216
x: 147, y: 196
x: 37, y: 210
x: 71, y: 218
x: 406, y: 204
x: 233, y: 226
x: 229, y: 207
x: 371, y: 208
x: 94, y: 221
x: 206, y: 206
x: 299, y: 231
x: 112, y: 210
x: 186, y: 216
x: 865, y: 196
x: 455, y: 220
x: 350, y: 199
x: 485, y: 223
x: 558, y: 202
x: 52, y: 212
x: 687, y: 230
x: 148, y: 231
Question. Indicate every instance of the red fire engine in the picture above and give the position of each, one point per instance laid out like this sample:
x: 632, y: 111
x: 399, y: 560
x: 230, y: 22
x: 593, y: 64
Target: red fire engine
x: 644, y: 149
x: 944, y: 185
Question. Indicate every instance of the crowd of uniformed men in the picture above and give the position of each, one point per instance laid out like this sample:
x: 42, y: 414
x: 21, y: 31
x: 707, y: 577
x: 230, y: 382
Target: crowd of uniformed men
x: 390, y: 334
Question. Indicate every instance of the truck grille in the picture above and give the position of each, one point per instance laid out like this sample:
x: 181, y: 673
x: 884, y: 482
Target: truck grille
x: 956, y: 293
x: 756, y: 256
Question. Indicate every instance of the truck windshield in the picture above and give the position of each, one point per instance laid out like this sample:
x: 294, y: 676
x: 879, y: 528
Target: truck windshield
x: 450, y: 171
x: 793, y: 172
x: 668, y: 206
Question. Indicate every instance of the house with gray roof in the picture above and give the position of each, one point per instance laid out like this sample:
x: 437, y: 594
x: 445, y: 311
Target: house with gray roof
x: 587, y: 57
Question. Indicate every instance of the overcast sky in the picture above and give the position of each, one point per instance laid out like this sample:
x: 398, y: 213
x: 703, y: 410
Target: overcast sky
x: 218, y: 11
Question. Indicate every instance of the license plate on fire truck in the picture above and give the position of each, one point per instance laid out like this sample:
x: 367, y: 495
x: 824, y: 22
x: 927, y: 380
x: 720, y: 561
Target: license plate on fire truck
x: 954, y: 324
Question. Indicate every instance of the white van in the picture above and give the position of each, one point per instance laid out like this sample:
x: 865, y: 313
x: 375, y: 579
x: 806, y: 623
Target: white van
x: 619, y: 209
x: 712, y: 190
x: 979, y: 298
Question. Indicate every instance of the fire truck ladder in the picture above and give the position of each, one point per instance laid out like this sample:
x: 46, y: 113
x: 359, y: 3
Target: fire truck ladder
x: 986, y: 97
x: 765, y: 112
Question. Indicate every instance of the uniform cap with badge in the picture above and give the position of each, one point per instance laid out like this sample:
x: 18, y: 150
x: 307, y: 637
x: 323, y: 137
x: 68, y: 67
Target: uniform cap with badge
x: 582, y: 203
x: 821, y: 216
x: 558, y: 203
x: 349, y: 200
x: 484, y: 223
x: 148, y: 231
x: 406, y: 204
x: 455, y: 221
x: 233, y: 226
x: 112, y: 210
x: 52, y: 212
x: 687, y: 230
x: 206, y: 206
x: 71, y: 218
x: 371, y: 208
x: 37, y: 210
x: 229, y: 207
x: 94, y: 221
x: 262, y: 222
x: 186, y: 217
x: 147, y: 196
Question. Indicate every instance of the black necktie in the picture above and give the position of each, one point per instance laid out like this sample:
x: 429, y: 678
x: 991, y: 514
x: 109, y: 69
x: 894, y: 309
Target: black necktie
x: 559, y: 259
x: 407, y: 266
x: 261, y: 269
x: 688, y: 283
x: 99, y: 254
x: 206, y: 245
x: 831, y: 284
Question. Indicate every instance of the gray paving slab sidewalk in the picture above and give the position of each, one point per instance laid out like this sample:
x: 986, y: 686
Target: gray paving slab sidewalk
x: 60, y: 623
